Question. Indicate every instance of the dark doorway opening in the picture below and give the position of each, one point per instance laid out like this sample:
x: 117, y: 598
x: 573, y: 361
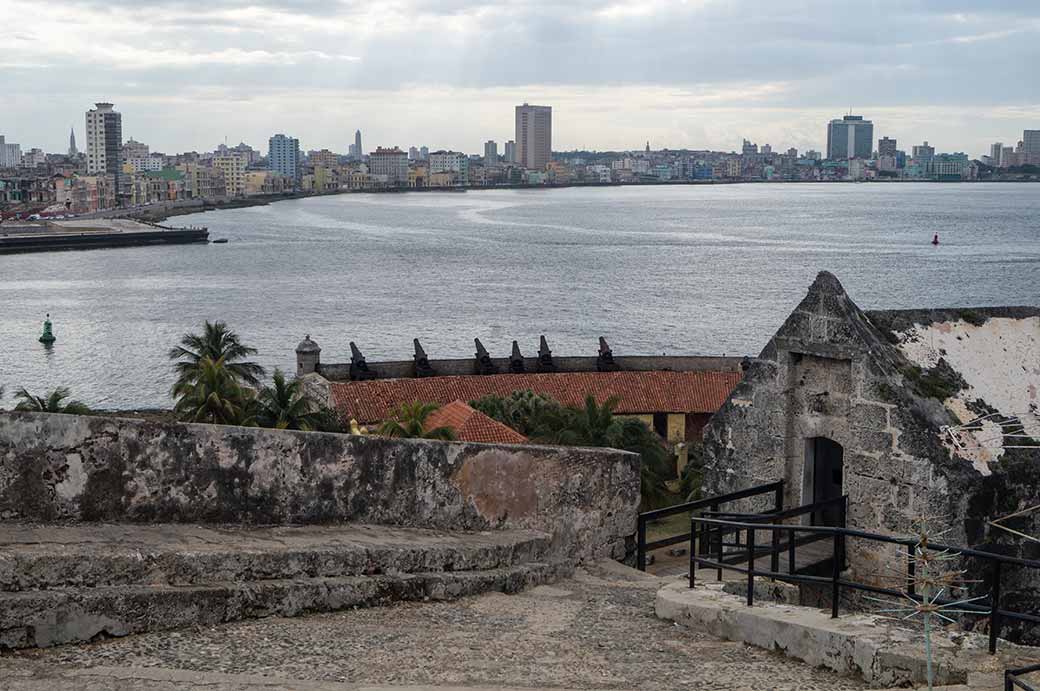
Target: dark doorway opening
x: 824, y: 478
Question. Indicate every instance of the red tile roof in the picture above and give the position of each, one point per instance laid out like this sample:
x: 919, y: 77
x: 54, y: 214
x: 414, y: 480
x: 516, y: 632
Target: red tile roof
x: 473, y: 425
x: 639, y: 392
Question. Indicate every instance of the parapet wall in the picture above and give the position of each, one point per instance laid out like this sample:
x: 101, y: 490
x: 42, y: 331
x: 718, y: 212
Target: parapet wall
x: 401, y: 369
x: 78, y: 468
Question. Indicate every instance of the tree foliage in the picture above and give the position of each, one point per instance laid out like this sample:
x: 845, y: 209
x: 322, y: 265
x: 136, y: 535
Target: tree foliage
x: 409, y: 422
x: 212, y: 394
x: 217, y: 343
x: 285, y: 405
x: 53, y: 402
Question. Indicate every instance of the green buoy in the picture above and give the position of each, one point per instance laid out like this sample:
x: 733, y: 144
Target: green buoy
x: 48, y: 335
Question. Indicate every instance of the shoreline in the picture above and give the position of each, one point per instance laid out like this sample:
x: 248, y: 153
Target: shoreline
x: 164, y: 210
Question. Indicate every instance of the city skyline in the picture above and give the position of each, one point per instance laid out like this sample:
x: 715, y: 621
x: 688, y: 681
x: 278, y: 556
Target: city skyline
x: 951, y: 73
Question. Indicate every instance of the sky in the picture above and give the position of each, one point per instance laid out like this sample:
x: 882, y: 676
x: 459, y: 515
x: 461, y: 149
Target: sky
x: 698, y: 74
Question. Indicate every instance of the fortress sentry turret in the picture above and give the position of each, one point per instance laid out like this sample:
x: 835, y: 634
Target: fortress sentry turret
x: 308, y: 357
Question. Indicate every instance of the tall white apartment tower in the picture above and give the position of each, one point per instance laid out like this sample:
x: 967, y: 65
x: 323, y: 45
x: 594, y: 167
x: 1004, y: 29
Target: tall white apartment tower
x: 533, y: 136
x: 104, y: 139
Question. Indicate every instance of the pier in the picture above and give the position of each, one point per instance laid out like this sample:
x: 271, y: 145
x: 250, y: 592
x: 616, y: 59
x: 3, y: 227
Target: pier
x: 46, y: 236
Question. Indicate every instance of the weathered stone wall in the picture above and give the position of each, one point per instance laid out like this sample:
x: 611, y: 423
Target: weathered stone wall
x: 64, y: 467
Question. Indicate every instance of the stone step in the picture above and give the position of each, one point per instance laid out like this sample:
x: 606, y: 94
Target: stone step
x: 46, y: 618
x: 36, y: 557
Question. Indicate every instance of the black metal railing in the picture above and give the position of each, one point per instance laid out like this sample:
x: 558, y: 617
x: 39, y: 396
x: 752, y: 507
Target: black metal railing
x: 712, y: 503
x: 1012, y: 681
x: 839, y: 536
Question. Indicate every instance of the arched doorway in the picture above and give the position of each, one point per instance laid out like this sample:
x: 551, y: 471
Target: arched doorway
x: 823, y: 478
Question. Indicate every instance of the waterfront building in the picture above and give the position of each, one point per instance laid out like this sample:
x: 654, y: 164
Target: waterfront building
x: 233, y: 168
x: 104, y: 139
x: 424, y: 153
x: 202, y: 182
x: 850, y: 137
x: 490, y: 152
x: 10, y: 154
x: 1031, y: 141
x: 887, y: 147
x: 949, y: 167
x: 509, y: 152
x: 391, y: 163
x: 450, y: 162
x: 533, y: 136
x: 413, y: 153
x: 747, y: 148
x: 73, y: 151
x: 283, y: 156
x: 923, y: 153
x: 812, y: 155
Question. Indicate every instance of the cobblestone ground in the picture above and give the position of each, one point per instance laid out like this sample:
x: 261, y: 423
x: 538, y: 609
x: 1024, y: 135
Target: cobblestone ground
x: 594, y: 631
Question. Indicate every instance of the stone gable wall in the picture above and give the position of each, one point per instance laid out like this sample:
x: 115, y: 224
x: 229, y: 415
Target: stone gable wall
x: 78, y: 468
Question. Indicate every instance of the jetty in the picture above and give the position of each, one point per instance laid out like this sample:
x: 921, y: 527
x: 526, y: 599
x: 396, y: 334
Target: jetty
x: 45, y: 236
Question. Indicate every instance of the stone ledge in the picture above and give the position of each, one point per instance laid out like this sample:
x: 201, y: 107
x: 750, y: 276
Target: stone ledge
x: 854, y: 644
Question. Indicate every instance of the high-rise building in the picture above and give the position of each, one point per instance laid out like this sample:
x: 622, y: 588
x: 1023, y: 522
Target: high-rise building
x: 73, y: 151
x: 413, y: 153
x: 283, y: 156
x: 490, y: 152
x: 10, y: 154
x: 533, y: 136
x: 995, y: 151
x: 393, y: 163
x: 509, y: 153
x: 424, y: 153
x: 887, y: 147
x: 358, y: 151
x: 104, y: 139
x: 923, y: 153
x: 850, y: 137
x: 1031, y: 141
x: 233, y: 167
x: 746, y: 149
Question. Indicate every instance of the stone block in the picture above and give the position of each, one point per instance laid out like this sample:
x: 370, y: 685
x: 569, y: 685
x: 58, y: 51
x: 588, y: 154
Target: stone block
x: 868, y: 416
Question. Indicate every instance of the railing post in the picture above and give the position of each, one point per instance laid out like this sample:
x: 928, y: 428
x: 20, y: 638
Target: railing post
x: 751, y: 567
x: 774, y: 561
x: 994, y: 617
x: 835, y: 576
x: 641, y: 543
x: 911, y: 570
x: 718, y: 575
x: 1008, y: 684
x: 693, y: 553
x: 778, y: 499
x: 790, y: 553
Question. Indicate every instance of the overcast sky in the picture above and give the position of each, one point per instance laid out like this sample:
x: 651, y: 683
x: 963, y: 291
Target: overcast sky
x: 696, y: 74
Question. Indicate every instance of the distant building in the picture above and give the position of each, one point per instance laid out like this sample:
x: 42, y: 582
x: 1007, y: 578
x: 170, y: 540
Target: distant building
x: 509, y: 154
x: 450, y: 162
x: 393, y: 163
x: 887, y: 147
x: 323, y: 158
x: 10, y: 154
x: 995, y: 151
x: 923, y: 153
x: 283, y: 156
x: 413, y: 153
x: 73, y: 151
x: 1031, y: 141
x: 533, y: 136
x: 356, y: 152
x: 850, y: 137
x: 33, y: 158
x: 104, y: 139
x: 233, y: 167
x: 766, y: 150
x: 424, y: 153
x: 748, y: 148
x: 490, y: 152
x: 133, y: 149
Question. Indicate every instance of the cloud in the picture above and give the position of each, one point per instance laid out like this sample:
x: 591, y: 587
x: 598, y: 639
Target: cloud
x: 387, y: 66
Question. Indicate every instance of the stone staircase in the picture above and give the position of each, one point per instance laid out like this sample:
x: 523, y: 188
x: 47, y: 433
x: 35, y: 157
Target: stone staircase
x: 65, y: 584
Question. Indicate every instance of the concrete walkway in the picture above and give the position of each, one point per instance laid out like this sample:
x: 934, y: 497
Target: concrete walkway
x: 596, y: 630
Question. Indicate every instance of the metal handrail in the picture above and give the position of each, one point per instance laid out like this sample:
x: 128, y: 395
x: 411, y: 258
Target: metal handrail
x: 1012, y: 682
x: 838, y: 536
x: 642, y: 546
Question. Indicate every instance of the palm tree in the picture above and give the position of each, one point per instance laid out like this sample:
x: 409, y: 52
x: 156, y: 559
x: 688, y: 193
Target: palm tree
x: 214, y: 395
x: 54, y: 402
x: 217, y: 343
x: 409, y: 422
x: 284, y: 405
x: 591, y: 425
